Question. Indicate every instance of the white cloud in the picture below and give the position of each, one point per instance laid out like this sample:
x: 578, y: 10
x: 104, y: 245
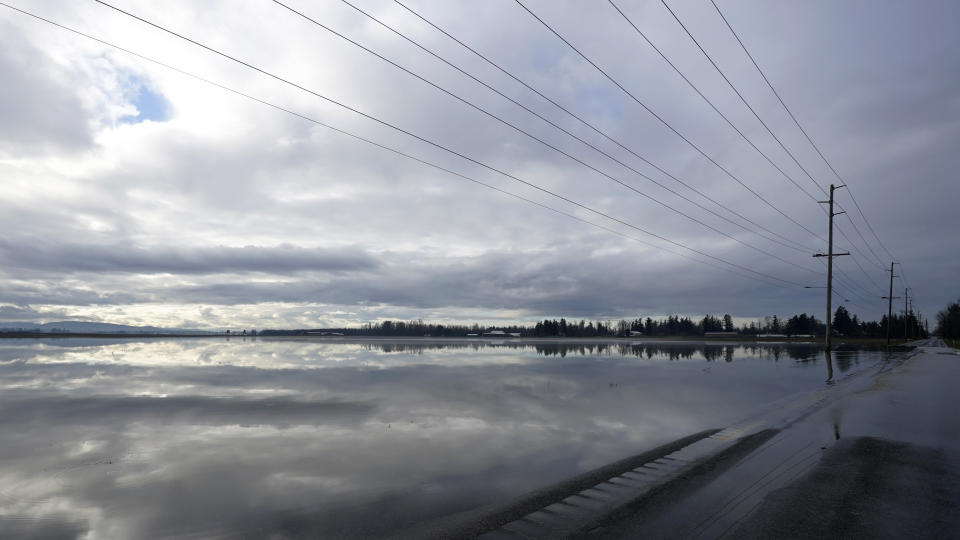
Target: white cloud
x: 229, y: 206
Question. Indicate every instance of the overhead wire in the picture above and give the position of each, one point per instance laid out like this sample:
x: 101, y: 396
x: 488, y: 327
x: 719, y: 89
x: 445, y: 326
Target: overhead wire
x: 438, y: 145
x: 466, y: 157
x: 804, y: 132
x: 797, y: 122
x: 839, y: 274
x: 588, y: 124
x: 739, y: 95
x: 534, y: 90
x: 843, y: 280
x: 853, y: 292
x: 858, y: 252
x: 869, y: 277
x: 861, y: 307
x: 762, y: 122
x: 842, y: 277
x: 667, y: 124
x: 878, y: 260
x: 534, y: 137
x: 403, y: 36
x: 550, y: 122
x: 903, y: 277
x: 761, y: 278
x: 750, y: 107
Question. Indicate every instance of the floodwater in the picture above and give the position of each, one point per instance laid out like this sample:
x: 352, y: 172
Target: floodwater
x: 289, y: 438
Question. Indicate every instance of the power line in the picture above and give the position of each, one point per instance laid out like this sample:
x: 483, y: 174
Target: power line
x: 544, y: 119
x: 403, y: 154
x: 667, y: 124
x: 865, y: 220
x: 441, y: 147
x: 743, y: 100
x: 860, y: 266
x: 864, y: 240
x: 850, y: 283
x: 580, y: 119
x: 801, y: 128
x: 852, y: 293
x: 903, y: 277
x: 530, y: 135
x: 709, y: 102
x: 855, y: 261
x: 728, y: 121
x: 751, y: 109
x: 851, y: 302
x: 561, y: 107
x: 853, y: 285
x: 390, y: 149
x: 864, y: 296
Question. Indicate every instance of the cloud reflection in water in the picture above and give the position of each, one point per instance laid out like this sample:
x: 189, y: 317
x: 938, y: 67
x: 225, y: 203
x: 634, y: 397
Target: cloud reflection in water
x: 134, y: 439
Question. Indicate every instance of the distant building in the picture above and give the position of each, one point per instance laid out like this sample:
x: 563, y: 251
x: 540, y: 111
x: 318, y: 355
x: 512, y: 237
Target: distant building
x: 497, y: 333
x: 720, y: 334
x: 635, y: 333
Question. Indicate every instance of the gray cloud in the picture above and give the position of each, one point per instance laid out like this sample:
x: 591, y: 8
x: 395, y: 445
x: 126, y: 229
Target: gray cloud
x: 40, y: 108
x: 206, y: 201
x: 46, y: 256
x: 18, y: 313
x: 542, y: 283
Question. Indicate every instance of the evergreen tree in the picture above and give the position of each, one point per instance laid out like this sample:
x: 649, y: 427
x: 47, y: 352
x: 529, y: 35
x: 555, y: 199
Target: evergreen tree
x: 948, y: 322
x: 842, y: 322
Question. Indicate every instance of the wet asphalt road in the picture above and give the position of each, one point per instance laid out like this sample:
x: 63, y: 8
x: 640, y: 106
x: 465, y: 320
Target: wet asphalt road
x: 865, y: 488
x: 880, y: 461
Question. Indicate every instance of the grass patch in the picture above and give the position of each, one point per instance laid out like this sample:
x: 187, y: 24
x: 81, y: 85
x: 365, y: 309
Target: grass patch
x: 955, y: 343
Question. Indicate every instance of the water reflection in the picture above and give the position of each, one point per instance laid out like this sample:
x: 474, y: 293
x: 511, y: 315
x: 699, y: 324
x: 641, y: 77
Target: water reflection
x: 295, y: 438
x: 651, y: 350
x: 828, y: 356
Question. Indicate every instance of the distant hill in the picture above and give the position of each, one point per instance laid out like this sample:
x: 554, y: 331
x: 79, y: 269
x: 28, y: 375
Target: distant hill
x: 85, y: 327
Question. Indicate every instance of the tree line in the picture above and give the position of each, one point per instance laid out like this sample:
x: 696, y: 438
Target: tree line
x: 673, y: 325
x: 948, y: 321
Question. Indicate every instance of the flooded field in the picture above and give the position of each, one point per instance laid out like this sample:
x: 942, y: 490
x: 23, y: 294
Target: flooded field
x: 297, y: 438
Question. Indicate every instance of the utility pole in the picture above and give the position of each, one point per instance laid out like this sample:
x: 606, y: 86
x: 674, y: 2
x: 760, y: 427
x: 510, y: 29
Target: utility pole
x: 906, y: 313
x: 830, y: 255
x: 890, y: 299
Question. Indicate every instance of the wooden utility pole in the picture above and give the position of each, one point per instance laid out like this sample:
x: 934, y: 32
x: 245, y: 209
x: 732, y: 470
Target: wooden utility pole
x: 890, y: 299
x: 906, y: 313
x: 830, y: 255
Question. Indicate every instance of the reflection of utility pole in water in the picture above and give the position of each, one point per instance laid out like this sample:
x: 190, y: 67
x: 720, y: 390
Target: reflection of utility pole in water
x: 829, y: 366
x: 835, y: 413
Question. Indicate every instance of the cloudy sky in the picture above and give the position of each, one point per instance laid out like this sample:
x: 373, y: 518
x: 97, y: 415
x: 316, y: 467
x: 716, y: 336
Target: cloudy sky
x: 136, y: 194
